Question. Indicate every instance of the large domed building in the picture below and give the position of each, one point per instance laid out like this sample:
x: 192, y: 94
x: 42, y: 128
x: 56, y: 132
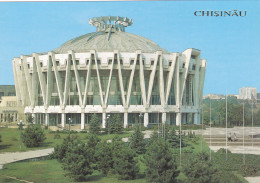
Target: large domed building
x: 111, y: 71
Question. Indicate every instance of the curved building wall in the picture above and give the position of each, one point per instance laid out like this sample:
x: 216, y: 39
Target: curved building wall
x: 165, y: 88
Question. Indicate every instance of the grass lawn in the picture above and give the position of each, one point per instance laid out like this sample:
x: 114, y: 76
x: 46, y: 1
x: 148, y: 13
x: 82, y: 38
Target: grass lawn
x: 11, y: 139
x: 51, y: 171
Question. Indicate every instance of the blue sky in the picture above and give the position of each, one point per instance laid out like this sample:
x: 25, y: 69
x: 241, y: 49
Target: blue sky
x: 231, y: 45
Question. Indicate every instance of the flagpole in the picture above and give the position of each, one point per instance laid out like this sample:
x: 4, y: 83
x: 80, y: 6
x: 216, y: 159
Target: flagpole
x: 210, y: 127
x: 244, y: 133
x: 180, y: 142
x: 252, y: 122
x: 202, y: 128
x: 226, y: 125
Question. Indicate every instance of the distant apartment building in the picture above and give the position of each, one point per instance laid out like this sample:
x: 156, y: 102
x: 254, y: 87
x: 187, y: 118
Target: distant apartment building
x: 246, y: 93
x: 10, y: 111
x: 258, y: 96
x: 7, y: 90
x: 214, y: 96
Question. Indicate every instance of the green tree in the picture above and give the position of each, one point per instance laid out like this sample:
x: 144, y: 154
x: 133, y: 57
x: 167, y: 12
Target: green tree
x: 30, y: 119
x: 174, y: 139
x: 0, y: 138
x: 78, y: 161
x: 61, y: 150
x: 199, y: 169
x: 104, y: 156
x: 33, y: 136
x: 94, y: 124
x: 125, y: 163
x: 92, y: 143
x: 137, y: 142
x: 160, y: 164
x: 116, y: 124
x: 153, y: 137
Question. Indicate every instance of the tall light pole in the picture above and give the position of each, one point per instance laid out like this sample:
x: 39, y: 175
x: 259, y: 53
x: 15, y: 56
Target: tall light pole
x: 107, y: 120
x: 210, y: 128
x: 202, y: 127
x: 20, y: 126
x: 252, y: 122
x: 244, y: 132
x: 70, y: 120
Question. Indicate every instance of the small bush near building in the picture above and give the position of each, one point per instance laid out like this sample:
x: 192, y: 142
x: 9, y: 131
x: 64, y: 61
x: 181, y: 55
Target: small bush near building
x: 57, y: 136
x: 199, y: 169
x: 223, y: 151
x: 174, y: 139
x: 115, y: 124
x: 137, y: 142
x: 94, y: 124
x: 33, y: 136
x: 30, y: 119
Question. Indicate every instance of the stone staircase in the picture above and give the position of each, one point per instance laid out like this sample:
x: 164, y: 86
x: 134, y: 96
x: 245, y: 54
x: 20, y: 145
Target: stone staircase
x: 220, y: 140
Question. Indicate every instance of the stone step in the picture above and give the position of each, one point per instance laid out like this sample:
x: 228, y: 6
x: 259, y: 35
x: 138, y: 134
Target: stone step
x: 224, y: 136
x: 224, y: 139
x: 233, y: 144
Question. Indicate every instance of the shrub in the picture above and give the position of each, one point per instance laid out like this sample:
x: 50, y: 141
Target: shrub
x: 137, y: 142
x: 104, y: 156
x: 92, y: 142
x: 116, y: 124
x: 199, y: 169
x: 13, y: 139
x: 174, y: 139
x: 223, y: 151
x: 153, y: 137
x: 248, y: 170
x: 125, y: 163
x: 78, y: 161
x: 160, y: 164
x: 94, y: 124
x: 61, y: 150
x: 33, y: 136
x: 30, y: 119
x: 0, y: 138
x: 57, y: 136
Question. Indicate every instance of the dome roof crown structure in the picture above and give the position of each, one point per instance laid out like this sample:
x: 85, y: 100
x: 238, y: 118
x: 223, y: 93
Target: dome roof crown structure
x: 110, y: 36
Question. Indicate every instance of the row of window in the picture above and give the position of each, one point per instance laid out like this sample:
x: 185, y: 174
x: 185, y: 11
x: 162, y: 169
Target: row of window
x: 110, y: 62
x: 99, y: 62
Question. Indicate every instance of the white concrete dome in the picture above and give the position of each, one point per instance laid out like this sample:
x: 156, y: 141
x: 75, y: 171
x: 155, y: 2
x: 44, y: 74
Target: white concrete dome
x: 121, y: 41
x: 109, y: 39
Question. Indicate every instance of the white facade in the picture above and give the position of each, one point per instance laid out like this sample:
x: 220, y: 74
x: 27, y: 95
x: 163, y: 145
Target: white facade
x: 126, y: 74
x: 248, y: 93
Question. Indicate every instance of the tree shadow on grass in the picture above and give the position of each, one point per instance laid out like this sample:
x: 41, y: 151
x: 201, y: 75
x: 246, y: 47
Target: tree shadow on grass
x: 141, y: 176
x: 94, y: 177
x: 46, y: 144
x: 5, y: 146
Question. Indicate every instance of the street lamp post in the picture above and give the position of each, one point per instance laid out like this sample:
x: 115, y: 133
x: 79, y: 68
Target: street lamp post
x: 20, y: 126
x: 107, y: 120
x: 70, y: 120
x: 140, y: 116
